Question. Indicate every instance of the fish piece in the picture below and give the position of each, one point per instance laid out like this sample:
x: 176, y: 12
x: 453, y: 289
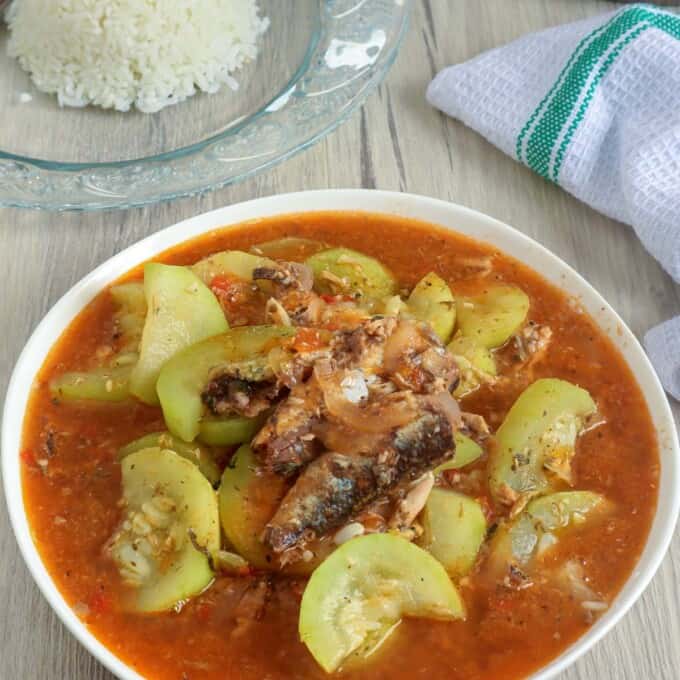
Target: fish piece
x: 416, y: 359
x: 364, y: 346
x: 413, y: 502
x: 252, y: 605
x: 352, y: 397
x: 474, y: 426
x: 287, y: 441
x: 228, y: 395
x: 334, y: 487
x: 292, y: 287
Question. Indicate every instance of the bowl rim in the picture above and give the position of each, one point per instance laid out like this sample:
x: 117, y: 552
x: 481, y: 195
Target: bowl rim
x: 439, y: 212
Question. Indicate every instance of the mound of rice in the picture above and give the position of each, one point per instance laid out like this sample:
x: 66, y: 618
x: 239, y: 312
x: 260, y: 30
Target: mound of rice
x: 120, y: 53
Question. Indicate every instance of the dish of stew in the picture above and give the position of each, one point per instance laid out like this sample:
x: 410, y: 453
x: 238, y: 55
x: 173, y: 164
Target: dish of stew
x: 340, y: 444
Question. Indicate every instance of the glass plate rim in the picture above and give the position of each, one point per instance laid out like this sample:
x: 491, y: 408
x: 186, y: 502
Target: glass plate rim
x: 39, y: 171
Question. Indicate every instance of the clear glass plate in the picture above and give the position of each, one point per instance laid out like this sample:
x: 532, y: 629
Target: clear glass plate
x: 318, y: 61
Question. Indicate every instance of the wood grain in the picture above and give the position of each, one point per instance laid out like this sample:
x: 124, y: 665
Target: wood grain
x: 396, y: 141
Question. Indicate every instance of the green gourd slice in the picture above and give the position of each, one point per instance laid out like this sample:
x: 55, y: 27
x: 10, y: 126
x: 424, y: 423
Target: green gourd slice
x: 247, y: 501
x: 101, y: 384
x: 538, y: 434
x: 199, y: 455
x: 341, y: 270
x: 181, y: 311
x: 248, y: 498
x: 229, y: 430
x: 242, y: 351
x: 493, y: 316
x: 432, y: 301
x: 290, y: 248
x: 234, y: 263
x: 519, y: 541
x: 357, y: 595
x: 476, y: 364
x: 170, y: 528
x: 455, y: 528
x: 467, y: 451
x: 130, y: 313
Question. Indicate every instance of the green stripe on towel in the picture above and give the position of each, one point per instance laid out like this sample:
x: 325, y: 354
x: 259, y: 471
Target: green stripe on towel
x: 563, y: 108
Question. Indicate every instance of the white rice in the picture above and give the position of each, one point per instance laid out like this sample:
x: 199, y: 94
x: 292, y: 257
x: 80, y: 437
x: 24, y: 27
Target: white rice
x: 120, y: 53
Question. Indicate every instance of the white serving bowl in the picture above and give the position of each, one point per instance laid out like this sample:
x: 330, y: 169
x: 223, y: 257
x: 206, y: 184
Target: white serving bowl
x: 445, y: 214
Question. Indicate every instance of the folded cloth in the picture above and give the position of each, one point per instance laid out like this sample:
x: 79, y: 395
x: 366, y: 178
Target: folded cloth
x: 593, y: 106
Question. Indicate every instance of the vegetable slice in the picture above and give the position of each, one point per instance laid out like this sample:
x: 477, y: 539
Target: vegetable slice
x: 431, y: 301
x: 229, y: 263
x: 454, y: 530
x: 248, y: 498
x: 102, y: 384
x: 476, y: 364
x: 357, y: 595
x: 467, y: 451
x: 182, y: 311
x: 130, y: 314
x: 493, y: 316
x: 289, y: 248
x: 242, y: 350
x: 247, y: 501
x: 199, y: 455
x: 229, y: 430
x: 521, y: 540
x: 538, y: 433
x: 170, y: 528
x: 341, y: 270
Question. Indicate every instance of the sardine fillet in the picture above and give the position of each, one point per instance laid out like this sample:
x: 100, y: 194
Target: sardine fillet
x: 334, y: 487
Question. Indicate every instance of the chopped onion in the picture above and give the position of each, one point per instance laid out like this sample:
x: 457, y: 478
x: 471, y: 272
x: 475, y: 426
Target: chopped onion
x: 545, y: 542
x: 380, y: 414
x: 444, y: 402
x: 594, y: 605
x: 351, y: 530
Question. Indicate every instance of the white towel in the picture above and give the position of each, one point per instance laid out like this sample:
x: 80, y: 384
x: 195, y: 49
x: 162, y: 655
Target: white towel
x: 593, y: 106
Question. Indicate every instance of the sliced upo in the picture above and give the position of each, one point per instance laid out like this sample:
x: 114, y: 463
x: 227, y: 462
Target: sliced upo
x: 100, y: 384
x: 229, y: 430
x: 431, y: 301
x: 240, y: 352
x: 476, y: 364
x: 289, y: 248
x: 248, y: 498
x: 538, y: 434
x: 357, y: 595
x: 170, y: 529
x: 467, y: 451
x: 455, y: 528
x: 199, y: 455
x: 536, y: 529
x: 130, y: 313
x: 232, y: 263
x: 181, y: 311
x: 494, y: 315
x: 345, y: 271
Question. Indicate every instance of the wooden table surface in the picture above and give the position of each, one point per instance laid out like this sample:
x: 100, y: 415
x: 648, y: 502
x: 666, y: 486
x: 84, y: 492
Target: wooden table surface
x: 396, y: 141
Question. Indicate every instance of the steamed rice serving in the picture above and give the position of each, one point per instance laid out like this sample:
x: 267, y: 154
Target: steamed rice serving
x: 123, y: 53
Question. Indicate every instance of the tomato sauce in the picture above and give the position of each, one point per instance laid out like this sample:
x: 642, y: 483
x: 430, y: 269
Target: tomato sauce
x: 71, y: 480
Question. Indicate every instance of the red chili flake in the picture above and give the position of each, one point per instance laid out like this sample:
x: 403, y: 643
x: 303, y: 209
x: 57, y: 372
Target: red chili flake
x: 28, y: 457
x: 221, y: 283
x: 203, y: 612
x: 333, y: 299
x: 308, y: 339
x: 100, y: 603
x: 502, y: 604
x: 487, y: 509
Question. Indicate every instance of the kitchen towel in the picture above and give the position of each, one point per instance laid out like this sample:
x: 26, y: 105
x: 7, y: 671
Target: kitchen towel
x: 593, y: 106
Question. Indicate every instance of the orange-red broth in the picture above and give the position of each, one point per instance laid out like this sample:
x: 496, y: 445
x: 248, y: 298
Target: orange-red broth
x: 72, y: 505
